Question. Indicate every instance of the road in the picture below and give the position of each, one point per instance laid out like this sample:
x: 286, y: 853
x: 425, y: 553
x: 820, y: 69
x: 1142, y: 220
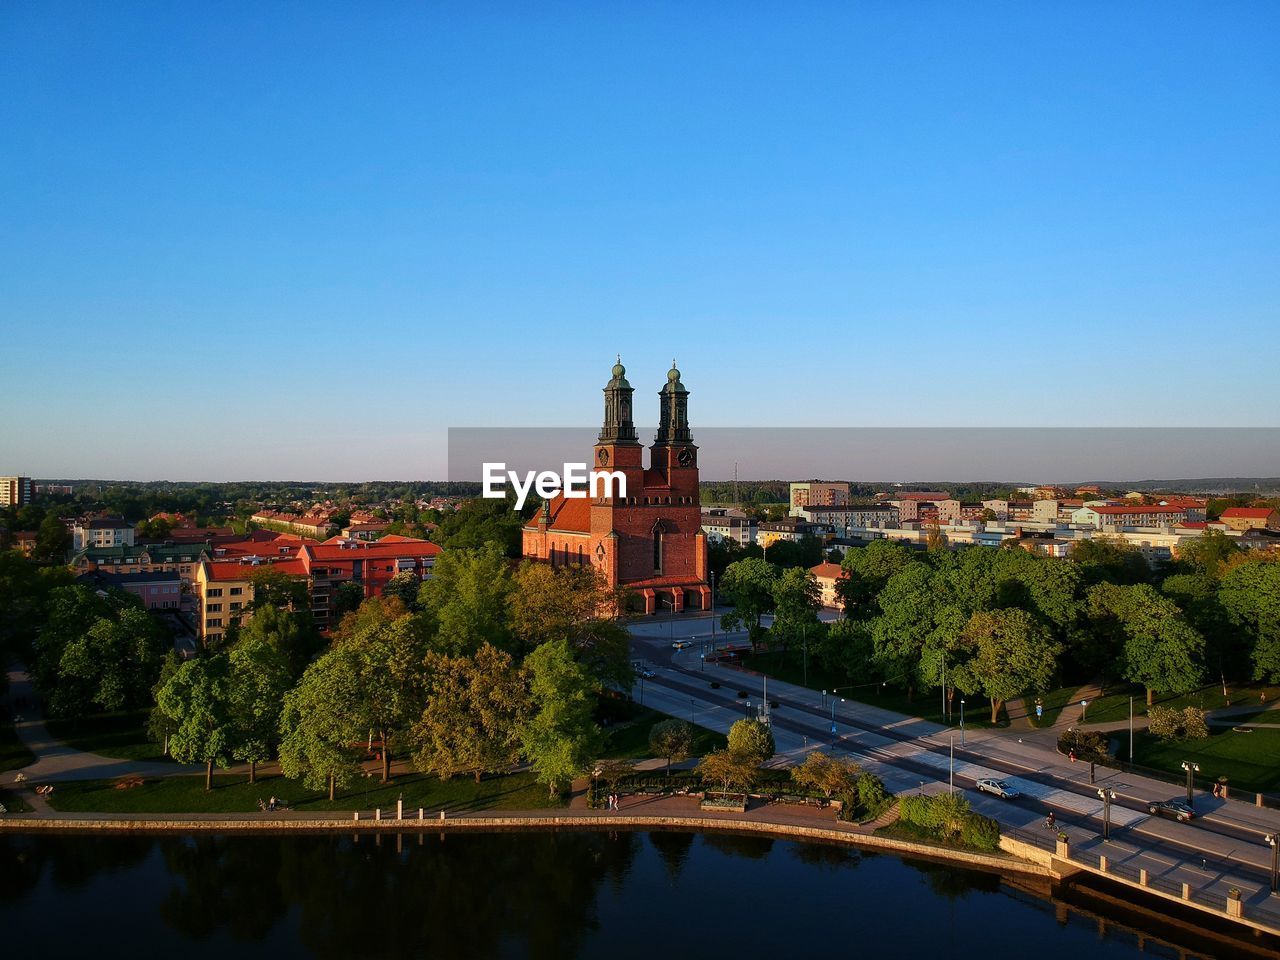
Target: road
x: 1223, y: 847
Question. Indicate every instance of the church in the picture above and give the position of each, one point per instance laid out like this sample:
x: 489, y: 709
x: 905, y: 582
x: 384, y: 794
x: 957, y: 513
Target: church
x: 649, y: 543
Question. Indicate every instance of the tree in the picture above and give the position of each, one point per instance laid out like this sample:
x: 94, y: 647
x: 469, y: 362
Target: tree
x: 197, y: 700
x: 1207, y: 553
x: 1109, y: 560
x: 748, y: 585
x: 53, y: 540
x: 389, y: 658
x: 831, y: 776
x: 320, y: 722
x: 729, y: 769
x: 573, y: 603
x: 160, y: 726
x: 347, y: 597
x: 466, y: 599
x: 867, y: 570
x: 1159, y: 649
x: 404, y: 586
x: 290, y: 632
x: 672, y: 740
x: 474, y: 710
x: 752, y: 739
x: 260, y: 678
x: 112, y: 665
x: 1013, y: 654
x: 1250, y: 598
x: 560, y: 737
x: 796, y: 602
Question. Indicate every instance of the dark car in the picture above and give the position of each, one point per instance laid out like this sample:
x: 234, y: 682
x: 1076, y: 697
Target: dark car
x: 1178, y: 810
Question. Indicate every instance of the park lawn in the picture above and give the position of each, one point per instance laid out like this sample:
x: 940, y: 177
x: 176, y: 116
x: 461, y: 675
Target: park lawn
x: 13, y: 801
x: 629, y: 739
x: 789, y: 668
x: 1055, y: 701
x: 13, y: 752
x: 233, y: 794
x: 1249, y: 761
x: 121, y: 735
x: 1114, y: 706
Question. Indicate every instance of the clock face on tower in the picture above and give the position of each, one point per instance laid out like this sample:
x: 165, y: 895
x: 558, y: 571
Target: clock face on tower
x: 603, y: 456
x: 685, y: 456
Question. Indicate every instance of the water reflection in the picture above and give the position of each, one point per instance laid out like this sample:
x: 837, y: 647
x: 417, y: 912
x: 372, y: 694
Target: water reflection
x: 547, y: 895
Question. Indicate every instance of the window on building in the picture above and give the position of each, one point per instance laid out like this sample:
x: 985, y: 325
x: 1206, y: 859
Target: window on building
x: 657, y: 549
x: 214, y: 592
x: 236, y: 591
x: 214, y: 608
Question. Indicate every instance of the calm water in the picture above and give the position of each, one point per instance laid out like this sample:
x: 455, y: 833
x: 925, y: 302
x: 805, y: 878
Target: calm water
x: 514, y: 895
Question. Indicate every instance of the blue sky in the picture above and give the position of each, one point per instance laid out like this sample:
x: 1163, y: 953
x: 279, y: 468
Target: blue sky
x: 300, y: 240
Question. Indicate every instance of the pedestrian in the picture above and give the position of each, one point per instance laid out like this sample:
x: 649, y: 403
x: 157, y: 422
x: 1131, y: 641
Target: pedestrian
x: 1071, y: 755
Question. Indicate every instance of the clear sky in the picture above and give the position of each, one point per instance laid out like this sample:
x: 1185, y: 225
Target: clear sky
x: 300, y: 240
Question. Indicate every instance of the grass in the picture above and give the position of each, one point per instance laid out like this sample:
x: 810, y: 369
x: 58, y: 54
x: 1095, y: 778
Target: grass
x: 629, y: 739
x: 121, y: 735
x: 12, y: 801
x: 1250, y: 761
x: 913, y: 832
x: 789, y: 668
x: 1113, y: 707
x: 1055, y: 701
x: 232, y: 794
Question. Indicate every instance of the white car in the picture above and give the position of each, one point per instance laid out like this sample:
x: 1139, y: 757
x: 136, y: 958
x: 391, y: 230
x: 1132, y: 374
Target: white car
x: 998, y: 788
x: 681, y: 644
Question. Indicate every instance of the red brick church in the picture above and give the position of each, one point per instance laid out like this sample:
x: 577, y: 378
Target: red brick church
x: 649, y: 543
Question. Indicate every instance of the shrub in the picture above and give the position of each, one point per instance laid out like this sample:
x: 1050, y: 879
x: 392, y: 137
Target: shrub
x: 867, y: 800
x: 1168, y: 723
x: 980, y: 833
x: 1089, y: 746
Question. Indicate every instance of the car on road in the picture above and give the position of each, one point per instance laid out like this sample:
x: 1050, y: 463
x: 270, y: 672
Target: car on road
x: 1178, y: 810
x: 998, y: 788
x: 681, y: 644
x: 646, y: 673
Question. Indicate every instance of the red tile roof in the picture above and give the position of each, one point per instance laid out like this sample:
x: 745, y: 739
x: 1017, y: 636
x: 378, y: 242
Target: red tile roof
x: 358, y: 549
x: 573, y: 515
x: 924, y: 495
x: 1246, y: 513
x: 828, y: 571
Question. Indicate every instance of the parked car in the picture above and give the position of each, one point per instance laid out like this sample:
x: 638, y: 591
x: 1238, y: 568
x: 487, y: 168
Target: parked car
x: 1178, y: 810
x: 999, y: 788
x: 681, y: 644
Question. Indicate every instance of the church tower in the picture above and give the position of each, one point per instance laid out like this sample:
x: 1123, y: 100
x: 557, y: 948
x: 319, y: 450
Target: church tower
x: 617, y: 447
x: 674, y: 453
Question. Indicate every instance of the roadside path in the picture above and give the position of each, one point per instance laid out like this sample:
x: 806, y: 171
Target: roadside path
x: 56, y: 761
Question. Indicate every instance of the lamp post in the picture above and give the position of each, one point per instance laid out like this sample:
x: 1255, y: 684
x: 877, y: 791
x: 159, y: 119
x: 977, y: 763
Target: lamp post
x: 691, y: 711
x: 833, y: 713
x: 951, y: 780
x: 703, y: 658
x: 962, y: 721
x: 1192, y: 769
x: 1131, y: 729
x: 1084, y: 709
x: 1106, y: 795
x: 1274, y: 841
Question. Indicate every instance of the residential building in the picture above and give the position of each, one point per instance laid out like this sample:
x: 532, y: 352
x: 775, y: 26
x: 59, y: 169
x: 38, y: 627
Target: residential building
x: 158, y: 590
x: 828, y: 575
x: 15, y: 491
x: 1251, y: 518
x: 1131, y: 515
x: 926, y: 506
x: 842, y: 520
x: 720, y: 527
x: 365, y: 529
x: 818, y: 493
x: 651, y: 543
x: 101, y: 532
x: 316, y: 524
x: 789, y: 529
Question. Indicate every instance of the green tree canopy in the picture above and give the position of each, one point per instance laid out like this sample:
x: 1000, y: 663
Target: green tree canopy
x: 1159, y: 649
x: 560, y: 737
x: 321, y: 724
x: 751, y: 738
x: 748, y: 585
x: 1013, y: 653
x: 197, y: 700
x: 672, y: 740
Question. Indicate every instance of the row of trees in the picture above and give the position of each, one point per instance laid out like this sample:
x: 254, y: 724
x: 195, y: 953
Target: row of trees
x: 1003, y: 623
x: 479, y: 667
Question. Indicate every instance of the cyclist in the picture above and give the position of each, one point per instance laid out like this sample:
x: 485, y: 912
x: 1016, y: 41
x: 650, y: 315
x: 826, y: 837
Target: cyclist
x: 1051, y: 820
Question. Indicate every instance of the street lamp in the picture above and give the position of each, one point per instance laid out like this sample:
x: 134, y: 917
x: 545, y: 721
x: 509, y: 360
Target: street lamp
x: 1274, y: 841
x: 833, y: 712
x: 1106, y: 795
x: 1192, y: 769
x: 1084, y: 709
x: 962, y: 721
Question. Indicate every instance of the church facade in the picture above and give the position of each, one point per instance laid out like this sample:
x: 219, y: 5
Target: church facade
x: 649, y: 543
